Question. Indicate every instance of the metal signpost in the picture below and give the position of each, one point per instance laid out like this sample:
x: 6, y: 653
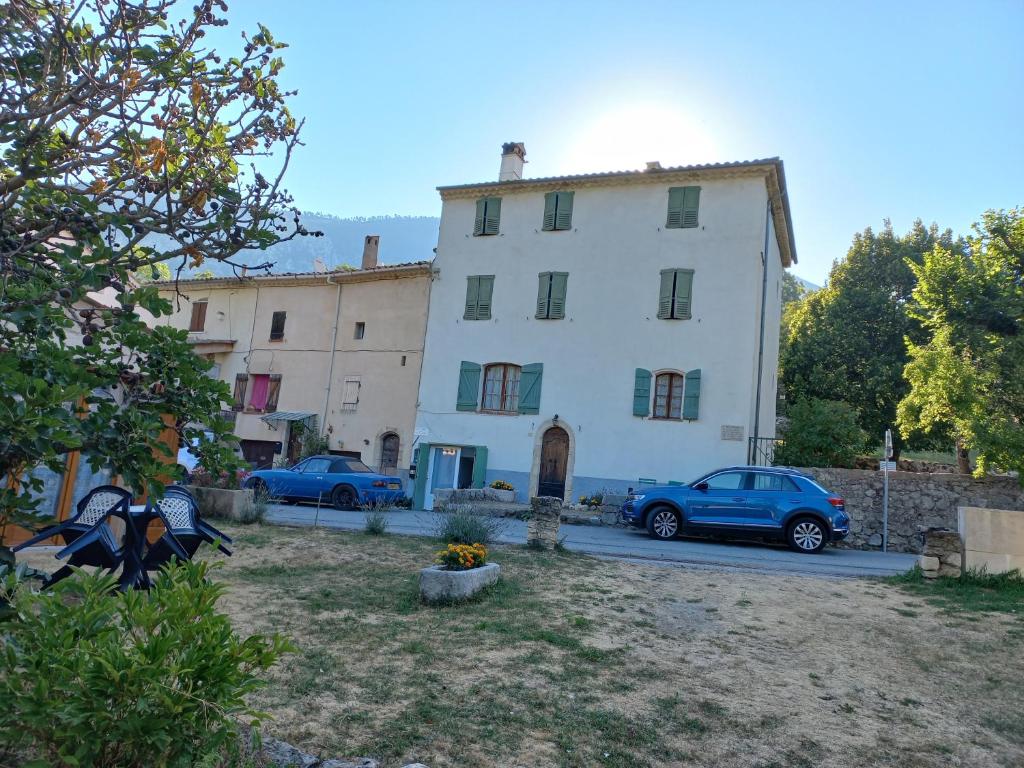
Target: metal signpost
x: 885, y: 490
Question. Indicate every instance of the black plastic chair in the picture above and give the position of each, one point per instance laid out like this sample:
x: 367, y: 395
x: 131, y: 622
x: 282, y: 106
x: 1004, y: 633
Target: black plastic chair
x: 88, y: 536
x: 179, y: 513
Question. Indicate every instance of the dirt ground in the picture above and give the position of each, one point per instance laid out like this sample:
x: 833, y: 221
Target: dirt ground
x: 572, y: 661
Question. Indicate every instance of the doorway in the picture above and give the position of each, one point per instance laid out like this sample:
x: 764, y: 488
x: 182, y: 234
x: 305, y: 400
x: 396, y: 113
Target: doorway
x: 554, y: 461
x: 259, y: 453
x: 389, y: 454
x: 442, y: 471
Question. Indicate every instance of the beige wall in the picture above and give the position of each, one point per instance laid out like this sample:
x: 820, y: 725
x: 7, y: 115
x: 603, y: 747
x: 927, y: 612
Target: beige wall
x: 993, y: 538
x: 394, y: 312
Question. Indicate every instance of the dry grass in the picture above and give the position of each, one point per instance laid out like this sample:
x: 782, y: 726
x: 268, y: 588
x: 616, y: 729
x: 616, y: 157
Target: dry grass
x: 572, y: 661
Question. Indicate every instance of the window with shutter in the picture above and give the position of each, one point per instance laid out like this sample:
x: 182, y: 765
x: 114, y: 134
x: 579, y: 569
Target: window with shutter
x: 273, y: 391
x: 479, y: 290
x: 642, y: 392
x: 488, y: 216
x: 676, y: 294
x: 350, y: 394
x: 277, y: 326
x: 551, y: 290
x: 683, y: 204
x: 241, y: 383
x: 501, y: 388
x: 557, y: 211
x: 469, y: 386
x: 197, y: 323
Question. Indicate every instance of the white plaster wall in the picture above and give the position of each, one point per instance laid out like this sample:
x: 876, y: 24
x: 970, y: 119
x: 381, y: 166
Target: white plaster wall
x: 614, y: 256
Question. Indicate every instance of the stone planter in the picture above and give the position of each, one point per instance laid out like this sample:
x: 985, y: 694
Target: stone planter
x: 221, y: 503
x: 438, y: 585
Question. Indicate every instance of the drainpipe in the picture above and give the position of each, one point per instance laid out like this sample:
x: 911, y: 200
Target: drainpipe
x: 760, y: 342
x: 334, y: 346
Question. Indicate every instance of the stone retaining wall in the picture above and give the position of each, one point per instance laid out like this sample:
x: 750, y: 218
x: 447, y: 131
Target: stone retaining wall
x: 917, y: 501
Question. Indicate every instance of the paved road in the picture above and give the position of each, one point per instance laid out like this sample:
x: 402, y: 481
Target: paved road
x: 630, y: 544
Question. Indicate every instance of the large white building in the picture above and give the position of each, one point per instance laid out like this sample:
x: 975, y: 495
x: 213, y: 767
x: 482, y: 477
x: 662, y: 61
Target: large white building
x: 600, y: 331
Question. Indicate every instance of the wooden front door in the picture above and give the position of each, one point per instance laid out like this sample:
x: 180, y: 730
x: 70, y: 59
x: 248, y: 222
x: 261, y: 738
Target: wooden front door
x: 554, y: 459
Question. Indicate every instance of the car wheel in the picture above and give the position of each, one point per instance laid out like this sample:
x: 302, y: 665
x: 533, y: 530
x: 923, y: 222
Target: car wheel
x: 343, y: 498
x: 663, y: 523
x: 807, y: 535
x: 259, y: 488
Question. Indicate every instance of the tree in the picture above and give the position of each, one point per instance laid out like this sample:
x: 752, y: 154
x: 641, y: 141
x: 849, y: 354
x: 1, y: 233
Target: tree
x: 122, y: 143
x: 967, y: 375
x: 820, y: 433
x: 792, y: 288
x: 847, y: 340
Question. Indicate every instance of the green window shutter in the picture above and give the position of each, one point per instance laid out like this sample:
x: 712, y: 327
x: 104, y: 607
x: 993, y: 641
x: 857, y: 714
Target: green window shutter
x: 559, y: 285
x: 691, y: 394
x: 469, y: 386
x: 550, y: 202
x: 683, y: 292
x: 492, y: 215
x: 483, y: 302
x: 642, y: 393
x: 480, y: 467
x: 472, y: 298
x: 478, y: 223
x: 691, y: 202
x: 665, y: 295
x: 563, y: 216
x: 543, y: 295
x: 675, y: 207
x: 529, y: 387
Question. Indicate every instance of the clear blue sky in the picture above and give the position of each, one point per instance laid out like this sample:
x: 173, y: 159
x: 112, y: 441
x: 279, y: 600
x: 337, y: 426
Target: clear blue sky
x: 898, y: 109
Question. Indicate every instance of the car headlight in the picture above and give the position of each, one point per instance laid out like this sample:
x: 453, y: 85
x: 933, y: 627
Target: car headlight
x: 637, y: 496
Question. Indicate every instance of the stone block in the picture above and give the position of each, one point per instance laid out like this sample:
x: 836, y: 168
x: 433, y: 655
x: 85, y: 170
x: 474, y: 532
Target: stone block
x: 928, y: 563
x: 952, y: 559
x: 930, y: 574
x: 875, y: 540
x: 439, y: 585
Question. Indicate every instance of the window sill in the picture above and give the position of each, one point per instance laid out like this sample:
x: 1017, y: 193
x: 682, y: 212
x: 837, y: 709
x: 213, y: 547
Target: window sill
x: 486, y: 234
x: 493, y: 412
x: 668, y: 418
x: 281, y: 339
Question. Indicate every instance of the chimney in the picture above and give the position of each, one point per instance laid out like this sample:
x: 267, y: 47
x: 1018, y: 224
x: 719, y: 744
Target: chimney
x: 513, y: 155
x: 370, y: 251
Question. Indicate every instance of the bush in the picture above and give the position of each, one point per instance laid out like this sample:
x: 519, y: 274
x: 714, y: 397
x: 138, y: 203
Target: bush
x: 502, y: 485
x: 376, y: 522
x: 458, y: 525
x: 462, y: 557
x: 94, y: 677
x: 820, y: 433
x: 256, y: 510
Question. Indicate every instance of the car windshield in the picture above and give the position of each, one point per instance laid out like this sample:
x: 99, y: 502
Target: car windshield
x: 350, y: 465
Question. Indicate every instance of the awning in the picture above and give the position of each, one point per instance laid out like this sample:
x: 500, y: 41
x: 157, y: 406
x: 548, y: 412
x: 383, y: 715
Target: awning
x: 287, y: 416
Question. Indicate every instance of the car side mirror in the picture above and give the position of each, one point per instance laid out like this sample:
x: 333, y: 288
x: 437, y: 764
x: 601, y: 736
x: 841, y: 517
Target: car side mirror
x: 701, y: 486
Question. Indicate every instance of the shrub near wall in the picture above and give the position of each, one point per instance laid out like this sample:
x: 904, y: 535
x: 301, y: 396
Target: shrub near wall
x: 916, y: 501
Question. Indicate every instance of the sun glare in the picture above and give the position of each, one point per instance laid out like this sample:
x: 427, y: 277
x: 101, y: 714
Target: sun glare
x: 627, y: 137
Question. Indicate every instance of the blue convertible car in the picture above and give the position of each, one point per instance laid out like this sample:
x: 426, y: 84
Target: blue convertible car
x: 345, y: 482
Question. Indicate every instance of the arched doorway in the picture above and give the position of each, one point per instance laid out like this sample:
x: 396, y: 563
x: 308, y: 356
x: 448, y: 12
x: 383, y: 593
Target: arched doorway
x: 554, y: 462
x: 388, y: 452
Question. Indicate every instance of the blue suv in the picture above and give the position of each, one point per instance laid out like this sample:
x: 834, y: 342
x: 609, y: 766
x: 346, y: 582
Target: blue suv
x: 768, y: 502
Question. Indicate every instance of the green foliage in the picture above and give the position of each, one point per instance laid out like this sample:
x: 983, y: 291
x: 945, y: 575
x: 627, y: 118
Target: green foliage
x: 102, y: 187
x: 458, y: 525
x: 820, y: 433
x: 967, y: 375
x: 792, y: 289
x: 848, y: 339
x: 313, y: 443
x: 94, y: 677
x: 256, y: 510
